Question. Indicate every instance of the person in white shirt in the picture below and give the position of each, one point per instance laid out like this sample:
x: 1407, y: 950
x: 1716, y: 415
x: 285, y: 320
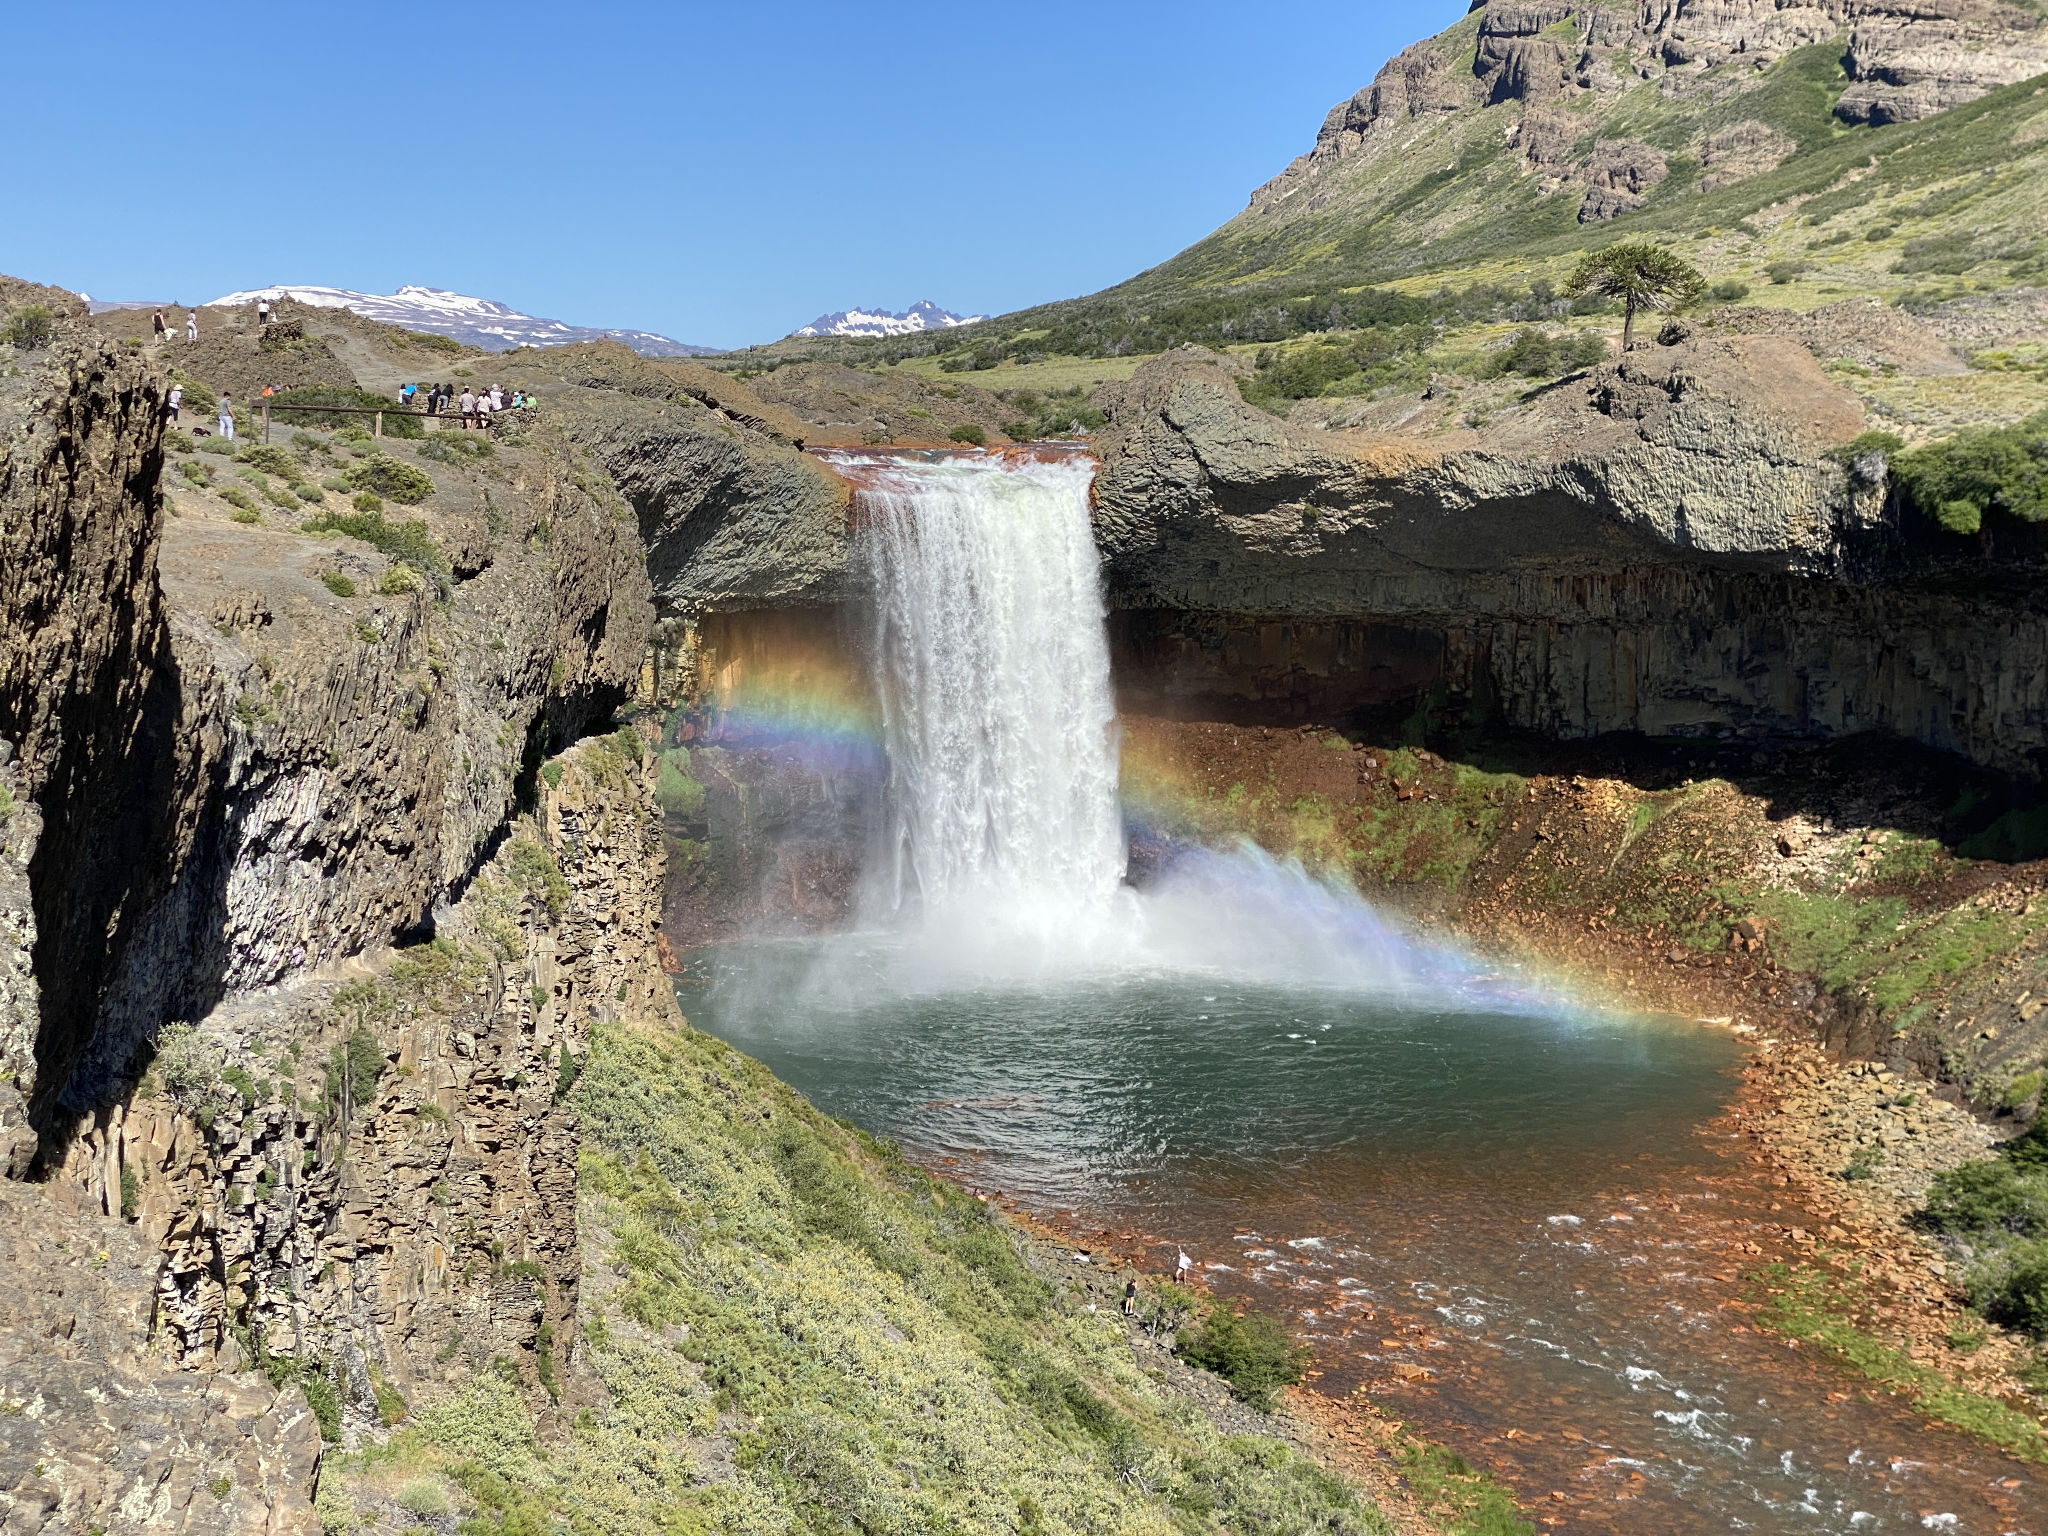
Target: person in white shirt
x: 468, y: 404
x: 263, y: 311
x: 191, y: 325
x: 483, y: 412
x: 177, y: 398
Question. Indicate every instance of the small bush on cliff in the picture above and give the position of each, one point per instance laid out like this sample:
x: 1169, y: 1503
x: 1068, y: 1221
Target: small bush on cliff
x: 29, y: 328
x: 1249, y: 1350
x: 1980, y: 471
x: 680, y: 795
x: 537, y: 875
x: 407, y: 542
x: 1539, y: 354
x: 968, y: 433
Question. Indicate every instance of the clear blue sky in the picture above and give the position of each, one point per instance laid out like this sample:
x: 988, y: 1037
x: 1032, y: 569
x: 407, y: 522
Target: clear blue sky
x: 719, y: 173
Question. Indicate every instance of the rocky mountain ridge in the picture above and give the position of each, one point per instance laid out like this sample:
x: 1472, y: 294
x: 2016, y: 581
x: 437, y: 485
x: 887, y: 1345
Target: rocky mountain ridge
x: 921, y: 316
x: 1903, y: 62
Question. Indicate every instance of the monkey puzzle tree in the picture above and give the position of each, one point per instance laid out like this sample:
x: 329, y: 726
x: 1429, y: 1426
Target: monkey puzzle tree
x: 1642, y: 276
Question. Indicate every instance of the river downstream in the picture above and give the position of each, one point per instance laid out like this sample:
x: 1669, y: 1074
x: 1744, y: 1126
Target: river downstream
x: 1521, y: 1229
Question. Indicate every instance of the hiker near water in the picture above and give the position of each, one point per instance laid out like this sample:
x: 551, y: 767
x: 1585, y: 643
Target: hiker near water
x: 1183, y: 1269
x: 227, y: 416
x: 157, y: 322
x: 171, y: 404
x: 191, y: 325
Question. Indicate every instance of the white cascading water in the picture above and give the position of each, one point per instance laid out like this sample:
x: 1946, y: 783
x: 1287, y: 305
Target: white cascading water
x: 994, y: 678
x: 1003, y: 860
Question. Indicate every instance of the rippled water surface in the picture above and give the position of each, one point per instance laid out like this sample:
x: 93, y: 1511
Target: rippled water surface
x: 1515, y: 1224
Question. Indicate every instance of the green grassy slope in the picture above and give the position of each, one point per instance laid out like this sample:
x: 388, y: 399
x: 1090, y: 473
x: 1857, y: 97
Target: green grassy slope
x: 797, y: 1331
x: 1918, y: 213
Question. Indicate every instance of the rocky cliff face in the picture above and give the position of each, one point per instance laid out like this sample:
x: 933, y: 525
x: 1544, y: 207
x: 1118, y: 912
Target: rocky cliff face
x: 1904, y: 62
x: 265, y: 776
x: 1662, y: 545
x: 732, y: 513
x: 241, y: 756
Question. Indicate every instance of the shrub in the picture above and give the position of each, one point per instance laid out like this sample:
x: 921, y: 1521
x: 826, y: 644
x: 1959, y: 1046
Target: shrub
x: 337, y: 583
x: 310, y: 494
x: 29, y: 328
x: 1537, y: 354
x: 194, y: 472
x: 270, y: 459
x: 424, y: 1496
x: 1729, y: 291
x: 1781, y: 272
x: 398, y: 580
x: 2013, y: 1289
x: 1980, y: 470
x: 216, y: 445
x: 1249, y: 1350
x: 402, y: 482
x: 966, y: 432
x: 680, y: 795
x: 367, y: 501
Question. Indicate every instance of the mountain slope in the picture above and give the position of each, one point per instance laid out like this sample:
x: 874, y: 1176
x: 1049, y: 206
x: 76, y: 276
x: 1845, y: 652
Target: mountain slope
x: 474, y: 322
x: 1880, y: 147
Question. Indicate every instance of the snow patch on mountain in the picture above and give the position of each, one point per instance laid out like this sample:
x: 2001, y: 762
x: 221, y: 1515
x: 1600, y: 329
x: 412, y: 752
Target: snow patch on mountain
x: 921, y: 316
x: 472, y: 321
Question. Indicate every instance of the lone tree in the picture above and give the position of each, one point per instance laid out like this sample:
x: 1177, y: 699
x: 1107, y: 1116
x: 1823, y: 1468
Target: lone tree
x: 1642, y: 276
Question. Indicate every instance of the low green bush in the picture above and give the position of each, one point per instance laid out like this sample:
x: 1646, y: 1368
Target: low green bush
x: 1249, y: 1350
x: 1538, y: 354
x: 367, y: 501
x: 29, y: 328
x: 404, y: 483
x: 968, y: 433
x: 310, y: 494
x: 1985, y: 1197
x: 337, y: 583
x: 271, y: 459
x: 680, y: 795
x: 235, y: 496
x: 1980, y: 471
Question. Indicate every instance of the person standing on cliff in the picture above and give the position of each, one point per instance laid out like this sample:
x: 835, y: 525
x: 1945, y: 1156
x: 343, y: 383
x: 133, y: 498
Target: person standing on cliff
x: 263, y: 311
x: 227, y: 416
x: 1183, y: 1270
x: 191, y: 325
x: 1131, y: 1296
x: 157, y: 323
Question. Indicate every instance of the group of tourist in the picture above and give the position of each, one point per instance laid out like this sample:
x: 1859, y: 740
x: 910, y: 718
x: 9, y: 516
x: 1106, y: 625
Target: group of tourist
x: 476, y: 406
x: 162, y: 328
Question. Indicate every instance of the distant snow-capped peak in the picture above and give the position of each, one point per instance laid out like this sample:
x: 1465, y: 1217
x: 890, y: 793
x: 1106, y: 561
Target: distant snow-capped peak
x: 472, y: 321
x: 921, y: 316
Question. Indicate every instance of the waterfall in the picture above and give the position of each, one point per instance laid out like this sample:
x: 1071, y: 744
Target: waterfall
x: 1001, y: 860
x: 993, y: 671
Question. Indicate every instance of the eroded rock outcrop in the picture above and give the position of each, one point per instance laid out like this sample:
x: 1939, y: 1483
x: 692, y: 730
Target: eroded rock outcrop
x: 1662, y: 545
x: 732, y: 513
